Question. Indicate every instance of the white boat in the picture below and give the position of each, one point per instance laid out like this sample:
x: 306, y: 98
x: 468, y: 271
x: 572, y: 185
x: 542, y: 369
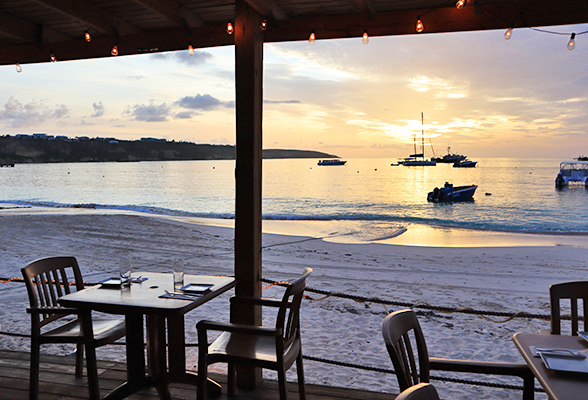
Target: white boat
x: 572, y: 172
x: 417, y: 159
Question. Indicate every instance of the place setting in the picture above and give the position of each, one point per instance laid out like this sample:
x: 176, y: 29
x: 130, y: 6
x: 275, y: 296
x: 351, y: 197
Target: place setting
x: 191, y: 291
x: 563, y: 359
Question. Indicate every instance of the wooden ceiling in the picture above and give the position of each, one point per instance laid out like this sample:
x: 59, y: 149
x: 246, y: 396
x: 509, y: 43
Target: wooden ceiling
x: 31, y: 30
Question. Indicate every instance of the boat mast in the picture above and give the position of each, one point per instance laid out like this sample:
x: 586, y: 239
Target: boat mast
x: 422, y: 135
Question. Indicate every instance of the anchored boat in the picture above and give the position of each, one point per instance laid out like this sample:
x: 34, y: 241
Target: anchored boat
x: 449, y: 193
x: 418, y: 159
x: 572, y: 172
x: 331, y: 162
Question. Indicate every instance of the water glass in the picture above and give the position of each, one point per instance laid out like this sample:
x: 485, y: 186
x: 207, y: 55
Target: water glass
x: 178, y: 274
x: 125, y: 272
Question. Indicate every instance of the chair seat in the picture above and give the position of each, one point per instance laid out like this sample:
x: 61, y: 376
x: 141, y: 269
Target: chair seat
x: 103, y: 329
x: 239, y: 345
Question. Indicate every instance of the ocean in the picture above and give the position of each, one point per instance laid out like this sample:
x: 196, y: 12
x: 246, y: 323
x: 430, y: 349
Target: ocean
x: 513, y: 195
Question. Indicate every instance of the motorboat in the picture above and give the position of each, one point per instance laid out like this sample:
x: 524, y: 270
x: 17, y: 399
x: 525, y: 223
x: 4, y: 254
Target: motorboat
x: 572, y: 172
x: 449, y: 157
x: 465, y: 164
x: 450, y: 193
x: 331, y: 162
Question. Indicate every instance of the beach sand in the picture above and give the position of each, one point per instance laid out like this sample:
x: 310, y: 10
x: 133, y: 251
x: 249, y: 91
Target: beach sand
x: 510, y: 273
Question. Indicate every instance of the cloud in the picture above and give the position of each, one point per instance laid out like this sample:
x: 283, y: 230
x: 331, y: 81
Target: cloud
x: 18, y: 115
x: 98, y: 109
x: 183, y: 57
x: 150, y: 112
x: 199, y: 102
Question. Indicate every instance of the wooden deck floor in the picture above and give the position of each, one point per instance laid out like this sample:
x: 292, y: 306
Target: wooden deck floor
x: 57, y: 382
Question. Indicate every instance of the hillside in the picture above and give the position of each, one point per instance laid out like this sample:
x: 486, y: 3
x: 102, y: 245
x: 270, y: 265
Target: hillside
x: 43, y: 149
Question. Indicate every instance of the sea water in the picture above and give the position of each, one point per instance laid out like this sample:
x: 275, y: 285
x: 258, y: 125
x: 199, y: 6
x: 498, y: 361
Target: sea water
x: 513, y: 195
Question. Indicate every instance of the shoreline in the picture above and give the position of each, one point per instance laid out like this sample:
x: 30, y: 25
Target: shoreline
x: 348, y: 231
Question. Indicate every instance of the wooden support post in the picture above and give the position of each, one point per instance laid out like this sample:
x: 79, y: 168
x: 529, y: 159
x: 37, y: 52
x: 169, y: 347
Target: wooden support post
x: 249, y: 100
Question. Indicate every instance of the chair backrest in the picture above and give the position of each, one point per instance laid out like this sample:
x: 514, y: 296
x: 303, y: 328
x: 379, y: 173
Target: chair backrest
x: 288, y: 318
x: 422, y: 391
x: 572, y: 291
x: 402, y: 332
x: 47, y: 280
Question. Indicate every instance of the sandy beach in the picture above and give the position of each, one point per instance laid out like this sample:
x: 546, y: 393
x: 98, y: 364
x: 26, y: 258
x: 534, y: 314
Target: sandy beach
x: 492, y: 271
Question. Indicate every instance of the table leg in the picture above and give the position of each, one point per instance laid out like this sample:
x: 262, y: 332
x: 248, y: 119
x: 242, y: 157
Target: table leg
x: 88, y: 334
x: 136, y: 378
x: 156, y: 354
x: 177, y: 356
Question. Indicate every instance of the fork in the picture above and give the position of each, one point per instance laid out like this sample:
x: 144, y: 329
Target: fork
x: 181, y: 295
x: 572, y: 352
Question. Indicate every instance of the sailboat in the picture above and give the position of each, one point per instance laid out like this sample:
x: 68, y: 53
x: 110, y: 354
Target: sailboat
x: 418, y: 159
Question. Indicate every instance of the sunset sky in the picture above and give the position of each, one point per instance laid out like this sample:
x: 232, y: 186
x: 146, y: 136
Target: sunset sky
x: 480, y: 94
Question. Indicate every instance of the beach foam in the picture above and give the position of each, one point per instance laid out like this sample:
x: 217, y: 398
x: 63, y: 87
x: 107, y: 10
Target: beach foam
x: 514, y: 278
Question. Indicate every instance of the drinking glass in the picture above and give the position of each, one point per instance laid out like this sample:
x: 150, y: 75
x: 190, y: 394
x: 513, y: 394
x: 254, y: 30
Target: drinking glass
x: 178, y: 274
x: 125, y: 272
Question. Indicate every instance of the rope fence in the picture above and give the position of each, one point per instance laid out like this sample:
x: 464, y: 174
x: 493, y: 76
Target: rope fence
x: 362, y: 299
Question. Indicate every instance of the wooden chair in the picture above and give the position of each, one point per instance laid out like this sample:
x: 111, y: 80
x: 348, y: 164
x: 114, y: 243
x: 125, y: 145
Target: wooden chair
x: 401, y: 329
x: 572, y: 291
x: 46, y: 280
x: 422, y: 391
x: 274, y: 348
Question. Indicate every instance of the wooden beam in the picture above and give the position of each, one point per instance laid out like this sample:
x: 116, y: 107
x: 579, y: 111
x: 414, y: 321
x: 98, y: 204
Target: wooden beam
x: 249, y: 101
x: 93, y: 16
x: 268, y: 8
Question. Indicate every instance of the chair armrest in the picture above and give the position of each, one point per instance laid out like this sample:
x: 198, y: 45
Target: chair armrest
x: 52, y: 310
x: 204, y: 325
x: 480, y: 367
x: 264, y: 301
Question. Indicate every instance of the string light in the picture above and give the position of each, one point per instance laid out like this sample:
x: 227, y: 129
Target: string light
x: 312, y: 38
x: 365, y: 39
x: 87, y: 36
x: 508, y: 33
x: 572, y: 42
x: 114, y: 50
x: 230, y: 28
x: 52, y: 58
x: 18, y: 68
x: 191, y: 49
x: 419, y: 25
x: 263, y: 25
x: 460, y: 4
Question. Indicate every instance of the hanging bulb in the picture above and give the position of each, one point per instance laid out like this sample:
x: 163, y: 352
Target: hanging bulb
x: 114, y: 50
x: 572, y: 42
x: 87, y: 36
x: 230, y: 28
x: 508, y: 33
x: 18, y: 68
x: 365, y: 39
x: 263, y: 25
x: 419, y: 25
x: 312, y: 38
x: 52, y: 58
x: 460, y: 4
x: 191, y: 49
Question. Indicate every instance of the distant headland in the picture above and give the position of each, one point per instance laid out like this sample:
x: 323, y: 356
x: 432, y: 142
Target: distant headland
x: 44, y: 148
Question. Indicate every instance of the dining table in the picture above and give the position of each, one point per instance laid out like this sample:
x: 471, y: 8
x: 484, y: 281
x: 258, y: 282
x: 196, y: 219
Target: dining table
x: 150, y: 303
x: 566, y: 376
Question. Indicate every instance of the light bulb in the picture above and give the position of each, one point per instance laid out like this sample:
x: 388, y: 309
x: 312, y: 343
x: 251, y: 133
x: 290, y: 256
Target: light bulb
x: 18, y: 68
x: 460, y: 4
x: 87, y: 36
x: 312, y: 38
x: 191, y: 50
x: 508, y: 33
x: 114, y: 50
x: 419, y: 25
x: 572, y: 42
x: 52, y: 58
x: 263, y: 25
x: 365, y: 39
x: 230, y: 28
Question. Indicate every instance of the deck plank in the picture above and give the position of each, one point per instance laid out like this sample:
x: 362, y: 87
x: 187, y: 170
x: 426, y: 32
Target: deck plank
x: 58, y: 382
